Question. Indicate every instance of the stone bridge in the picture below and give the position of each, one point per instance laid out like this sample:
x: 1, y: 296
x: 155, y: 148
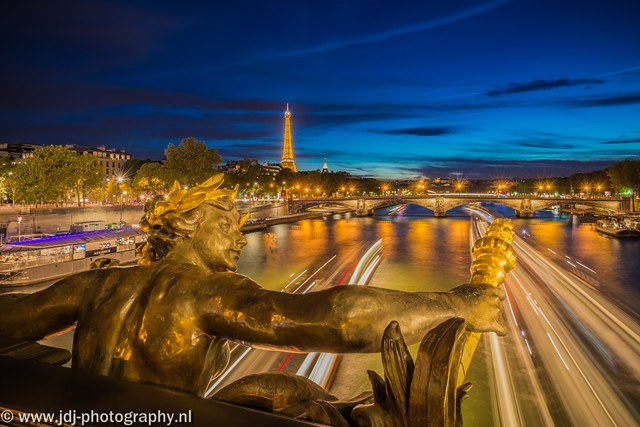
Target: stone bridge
x: 441, y: 203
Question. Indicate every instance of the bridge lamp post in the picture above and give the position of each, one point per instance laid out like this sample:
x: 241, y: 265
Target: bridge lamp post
x: 19, y: 231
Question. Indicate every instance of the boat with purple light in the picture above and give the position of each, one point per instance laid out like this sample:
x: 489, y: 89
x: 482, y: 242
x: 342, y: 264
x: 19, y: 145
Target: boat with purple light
x: 56, y: 256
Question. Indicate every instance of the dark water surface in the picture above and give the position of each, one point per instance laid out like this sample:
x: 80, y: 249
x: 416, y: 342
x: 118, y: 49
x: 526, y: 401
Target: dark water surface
x: 424, y: 253
x: 421, y: 252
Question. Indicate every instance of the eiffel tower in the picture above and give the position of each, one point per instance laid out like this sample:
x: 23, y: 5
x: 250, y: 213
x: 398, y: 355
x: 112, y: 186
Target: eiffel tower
x: 287, y: 149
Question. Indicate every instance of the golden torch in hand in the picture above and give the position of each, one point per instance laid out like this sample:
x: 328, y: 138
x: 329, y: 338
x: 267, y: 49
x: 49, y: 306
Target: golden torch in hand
x: 493, y: 258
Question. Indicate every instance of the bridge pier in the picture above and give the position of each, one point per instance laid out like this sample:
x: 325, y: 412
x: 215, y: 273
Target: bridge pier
x: 525, y: 210
x: 524, y: 214
x: 439, y: 210
x: 361, y: 208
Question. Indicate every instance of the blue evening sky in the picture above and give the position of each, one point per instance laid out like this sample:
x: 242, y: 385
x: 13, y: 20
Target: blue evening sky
x: 391, y: 89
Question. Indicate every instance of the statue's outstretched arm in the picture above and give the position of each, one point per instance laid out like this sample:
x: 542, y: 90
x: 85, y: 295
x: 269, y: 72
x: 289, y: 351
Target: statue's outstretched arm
x: 340, y: 319
x: 37, y: 315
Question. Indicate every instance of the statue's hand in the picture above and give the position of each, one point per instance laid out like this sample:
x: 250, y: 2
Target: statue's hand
x: 480, y: 306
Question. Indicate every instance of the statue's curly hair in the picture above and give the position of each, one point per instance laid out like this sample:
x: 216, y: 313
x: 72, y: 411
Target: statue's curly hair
x: 173, y: 228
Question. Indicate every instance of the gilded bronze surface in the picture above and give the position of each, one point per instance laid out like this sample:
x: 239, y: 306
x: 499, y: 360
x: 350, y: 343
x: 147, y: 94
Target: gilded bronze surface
x: 424, y: 393
x: 168, y: 322
x: 493, y: 258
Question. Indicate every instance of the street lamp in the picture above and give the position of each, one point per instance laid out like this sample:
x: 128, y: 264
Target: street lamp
x: 19, y: 221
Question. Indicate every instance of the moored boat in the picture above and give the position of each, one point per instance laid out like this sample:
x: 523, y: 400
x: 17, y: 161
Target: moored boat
x: 619, y: 227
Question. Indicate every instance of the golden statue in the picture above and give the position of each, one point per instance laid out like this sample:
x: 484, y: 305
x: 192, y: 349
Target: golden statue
x: 168, y: 320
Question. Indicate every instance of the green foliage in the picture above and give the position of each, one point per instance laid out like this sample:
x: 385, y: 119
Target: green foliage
x: 625, y: 174
x: 11, y: 187
x: 191, y: 162
x: 111, y: 191
x: 86, y: 174
x: 45, y: 176
x: 252, y: 178
x: 131, y: 166
x: 51, y: 171
x: 150, y: 178
x: 5, y: 166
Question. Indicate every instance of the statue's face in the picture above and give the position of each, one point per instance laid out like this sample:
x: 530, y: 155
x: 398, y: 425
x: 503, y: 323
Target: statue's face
x: 219, y: 241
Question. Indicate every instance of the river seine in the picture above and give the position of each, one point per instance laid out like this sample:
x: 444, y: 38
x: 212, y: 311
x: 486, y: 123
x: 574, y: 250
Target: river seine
x: 424, y: 253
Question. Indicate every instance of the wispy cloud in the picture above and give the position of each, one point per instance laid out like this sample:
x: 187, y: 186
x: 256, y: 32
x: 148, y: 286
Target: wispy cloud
x: 622, y: 141
x: 541, y: 85
x: 609, y: 101
x: 420, y: 131
x: 625, y: 71
x: 371, y: 38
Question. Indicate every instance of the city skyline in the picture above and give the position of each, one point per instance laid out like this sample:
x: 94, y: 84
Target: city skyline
x: 480, y: 90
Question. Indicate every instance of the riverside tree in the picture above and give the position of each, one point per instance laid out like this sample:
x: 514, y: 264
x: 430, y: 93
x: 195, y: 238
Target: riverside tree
x: 45, y: 176
x: 191, y: 162
x: 151, y: 178
x: 625, y: 174
x: 87, y: 174
x: 51, y: 171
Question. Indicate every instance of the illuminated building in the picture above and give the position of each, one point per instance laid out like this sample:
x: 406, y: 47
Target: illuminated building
x: 287, y: 149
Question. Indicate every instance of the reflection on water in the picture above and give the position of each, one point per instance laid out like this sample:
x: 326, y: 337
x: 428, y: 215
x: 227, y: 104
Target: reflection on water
x: 423, y: 253
x: 427, y: 254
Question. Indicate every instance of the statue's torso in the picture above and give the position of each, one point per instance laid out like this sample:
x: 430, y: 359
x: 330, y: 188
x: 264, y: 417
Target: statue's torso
x: 141, y: 325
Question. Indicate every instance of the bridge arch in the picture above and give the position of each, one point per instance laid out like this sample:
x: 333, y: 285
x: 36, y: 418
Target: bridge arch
x: 303, y: 205
x: 524, y: 206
